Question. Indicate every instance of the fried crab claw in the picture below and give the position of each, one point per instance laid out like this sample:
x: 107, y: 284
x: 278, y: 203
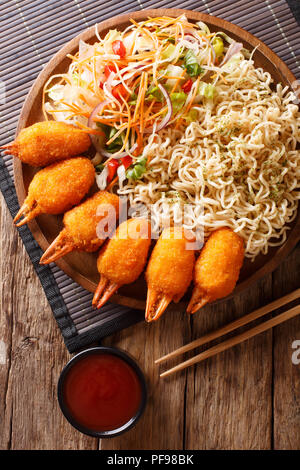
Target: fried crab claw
x: 61, y: 246
x: 157, y: 303
x: 217, y: 268
x: 83, y: 229
x: 104, y: 291
x: 10, y: 149
x: 169, y: 271
x: 198, y: 300
x: 47, y: 142
x: 56, y: 188
x: 122, y: 260
x: 28, y: 211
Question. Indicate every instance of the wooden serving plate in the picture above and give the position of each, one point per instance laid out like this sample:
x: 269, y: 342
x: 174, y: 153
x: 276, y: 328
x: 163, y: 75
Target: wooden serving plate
x: 81, y: 267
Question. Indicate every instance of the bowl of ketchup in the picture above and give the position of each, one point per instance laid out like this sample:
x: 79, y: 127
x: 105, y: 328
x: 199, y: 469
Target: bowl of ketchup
x: 102, y: 392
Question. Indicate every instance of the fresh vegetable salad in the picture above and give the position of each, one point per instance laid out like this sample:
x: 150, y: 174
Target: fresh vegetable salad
x: 134, y: 83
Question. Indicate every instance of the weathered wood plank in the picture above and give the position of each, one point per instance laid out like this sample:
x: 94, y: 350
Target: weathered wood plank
x: 223, y: 403
x: 5, y: 338
x: 35, y: 357
x: 229, y: 404
x: 162, y: 425
x: 286, y: 374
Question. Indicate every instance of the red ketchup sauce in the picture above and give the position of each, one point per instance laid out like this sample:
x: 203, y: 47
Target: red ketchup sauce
x: 102, y: 392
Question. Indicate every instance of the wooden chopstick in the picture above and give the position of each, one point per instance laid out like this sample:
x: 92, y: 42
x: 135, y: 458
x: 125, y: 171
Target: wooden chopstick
x: 233, y: 325
x: 236, y: 340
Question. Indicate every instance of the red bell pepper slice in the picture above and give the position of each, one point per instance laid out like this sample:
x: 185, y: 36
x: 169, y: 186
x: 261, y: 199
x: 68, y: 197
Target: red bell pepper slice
x: 187, y: 86
x: 108, y: 69
x: 126, y: 161
x: 119, y: 90
x: 119, y: 49
x: 112, y: 167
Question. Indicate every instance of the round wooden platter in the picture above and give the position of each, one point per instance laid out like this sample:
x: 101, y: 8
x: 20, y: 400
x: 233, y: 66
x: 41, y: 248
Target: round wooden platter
x: 81, y: 267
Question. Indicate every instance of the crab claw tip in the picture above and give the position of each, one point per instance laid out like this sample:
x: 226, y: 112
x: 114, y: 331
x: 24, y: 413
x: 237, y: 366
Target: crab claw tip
x: 157, y: 303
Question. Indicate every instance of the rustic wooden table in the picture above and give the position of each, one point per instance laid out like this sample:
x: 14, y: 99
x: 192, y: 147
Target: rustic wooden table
x: 245, y: 398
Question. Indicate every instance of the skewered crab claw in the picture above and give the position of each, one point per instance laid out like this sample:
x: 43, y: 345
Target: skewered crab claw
x: 169, y: 271
x: 122, y: 259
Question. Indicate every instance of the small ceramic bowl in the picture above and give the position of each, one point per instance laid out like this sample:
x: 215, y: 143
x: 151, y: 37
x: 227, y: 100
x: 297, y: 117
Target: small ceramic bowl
x: 65, y: 409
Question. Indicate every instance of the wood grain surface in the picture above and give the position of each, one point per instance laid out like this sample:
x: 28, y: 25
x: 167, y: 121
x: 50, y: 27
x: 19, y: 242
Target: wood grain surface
x: 81, y: 267
x: 245, y: 398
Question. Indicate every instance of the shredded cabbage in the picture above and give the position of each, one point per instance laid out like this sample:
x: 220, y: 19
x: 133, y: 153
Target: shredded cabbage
x: 56, y: 92
x: 178, y: 100
x: 206, y: 89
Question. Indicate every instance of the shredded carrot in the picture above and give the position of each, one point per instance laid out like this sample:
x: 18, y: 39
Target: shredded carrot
x: 59, y: 111
x: 138, y: 101
x: 133, y: 42
x: 142, y: 56
x: 149, y: 109
x: 68, y: 111
x: 193, y: 96
x: 146, y: 33
x: 143, y: 102
x: 178, y: 122
x: 178, y: 80
x: 112, y: 183
x: 172, y: 78
x: 80, y: 62
x: 119, y: 113
x: 139, y: 141
x: 142, y: 113
x: 91, y: 86
x: 70, y: 56
x: 89, y: 130
x: 128, y: 127
x: 144, y: 67
x: 72, y: 106
x: 83, y: 98
x: 134, y: 22
x: 150, y: 118
x: 169, y: 20
x: 105, y: 121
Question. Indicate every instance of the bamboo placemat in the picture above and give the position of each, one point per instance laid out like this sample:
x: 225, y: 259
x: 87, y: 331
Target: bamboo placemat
x: 31, y: 32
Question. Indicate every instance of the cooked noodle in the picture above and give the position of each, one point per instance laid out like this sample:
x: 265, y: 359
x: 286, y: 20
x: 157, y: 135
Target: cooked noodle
x: 226, y: 152
x: 236, y: 166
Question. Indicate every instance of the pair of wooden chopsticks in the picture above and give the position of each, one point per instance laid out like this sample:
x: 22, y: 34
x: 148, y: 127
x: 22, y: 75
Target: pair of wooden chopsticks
x: 230, y: 327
